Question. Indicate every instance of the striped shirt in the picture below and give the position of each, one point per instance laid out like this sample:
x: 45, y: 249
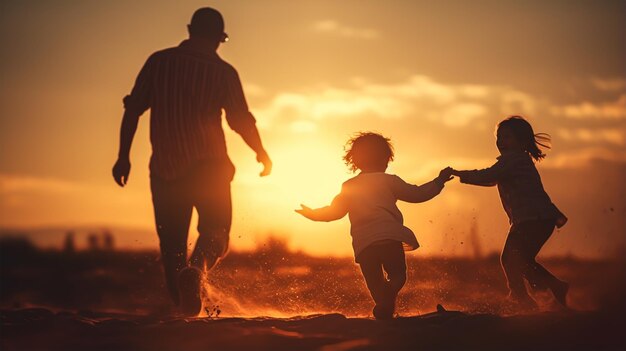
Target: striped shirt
x: 186, y: 88
x: 520, y: 188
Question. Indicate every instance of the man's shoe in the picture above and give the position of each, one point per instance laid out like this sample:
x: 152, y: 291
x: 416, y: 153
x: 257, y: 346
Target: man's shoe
x: 189, y: 280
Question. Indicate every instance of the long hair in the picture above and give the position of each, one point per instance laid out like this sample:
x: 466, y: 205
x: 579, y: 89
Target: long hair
x: 524, y: 133
x: 367, y: 150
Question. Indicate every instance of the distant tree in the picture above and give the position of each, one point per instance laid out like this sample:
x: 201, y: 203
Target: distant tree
x: 13, y: 249
x: 15, y: 244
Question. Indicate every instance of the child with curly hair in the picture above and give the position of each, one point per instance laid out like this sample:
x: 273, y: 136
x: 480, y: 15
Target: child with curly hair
x: 379, y: 237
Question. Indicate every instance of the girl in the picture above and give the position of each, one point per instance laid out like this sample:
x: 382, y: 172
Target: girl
x: 379, y: 237
x: 531, y: 213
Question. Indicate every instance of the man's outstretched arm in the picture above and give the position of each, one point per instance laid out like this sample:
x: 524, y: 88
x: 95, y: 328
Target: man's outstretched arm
x: 121, y: 169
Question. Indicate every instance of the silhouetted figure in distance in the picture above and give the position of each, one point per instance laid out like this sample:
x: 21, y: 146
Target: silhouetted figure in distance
x: 379, y: 237
x: 108, y: 241
x: 531, y: 213
x: 69, y: 246
x: 186, y: 88
x: 93, y: 242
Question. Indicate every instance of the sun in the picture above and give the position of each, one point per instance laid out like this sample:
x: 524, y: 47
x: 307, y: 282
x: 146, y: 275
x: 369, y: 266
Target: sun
x: 308, y: 172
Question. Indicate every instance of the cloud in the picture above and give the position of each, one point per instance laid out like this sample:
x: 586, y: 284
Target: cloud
x: 614, y: 110
x: 21, y: 190
x: 474, y: 91
x: 332, y: 27
x: 10, y: 184
x: 615, y: 84
x: 517, y: 102
x: 418, y: 96
x: 304, y: 126
x: 578, y: 158
x: 415, y: 87
x: 584, y: 157
x: 253, y: 90
x: 462, y: 114
x: 25, y: 186
x: 612, y: 136
x: 39, y: 200
x: 404, y: 106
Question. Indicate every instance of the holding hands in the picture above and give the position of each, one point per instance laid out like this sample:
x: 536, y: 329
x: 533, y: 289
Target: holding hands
x: 446, y: 175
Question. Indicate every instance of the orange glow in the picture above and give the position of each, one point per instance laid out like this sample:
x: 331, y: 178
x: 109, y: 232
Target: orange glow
x: 434, y: 81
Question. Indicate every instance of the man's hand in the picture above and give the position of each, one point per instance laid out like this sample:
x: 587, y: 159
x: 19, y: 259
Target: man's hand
x: 305, y: 211
x: 445, y: 175
x: 263, y: 157
x: 121, y: 170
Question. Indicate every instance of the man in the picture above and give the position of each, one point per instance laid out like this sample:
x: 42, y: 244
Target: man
x: 186, y: 88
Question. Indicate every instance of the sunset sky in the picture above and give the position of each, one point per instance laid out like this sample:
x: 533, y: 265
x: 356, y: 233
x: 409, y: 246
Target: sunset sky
x: 435, y: 77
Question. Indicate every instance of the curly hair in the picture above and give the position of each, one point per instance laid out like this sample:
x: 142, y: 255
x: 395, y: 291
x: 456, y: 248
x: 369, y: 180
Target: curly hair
x: 524, y: 133
x: 368, y: 150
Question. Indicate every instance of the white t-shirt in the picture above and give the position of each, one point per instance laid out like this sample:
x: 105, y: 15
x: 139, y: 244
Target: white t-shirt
x: 370, y: 199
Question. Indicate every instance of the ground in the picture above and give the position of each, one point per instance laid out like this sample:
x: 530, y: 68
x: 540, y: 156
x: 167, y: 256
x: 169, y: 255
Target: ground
x: 41, y: 329
x: 273, y: 299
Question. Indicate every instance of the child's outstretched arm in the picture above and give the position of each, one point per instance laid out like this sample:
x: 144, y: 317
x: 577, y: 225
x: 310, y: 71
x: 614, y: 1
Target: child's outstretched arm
x: 336, y: 210
x: 483, y: 177
x: 414, y: 193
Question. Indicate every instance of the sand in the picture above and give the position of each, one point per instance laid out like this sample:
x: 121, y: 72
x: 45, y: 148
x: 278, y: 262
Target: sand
x: 43, y: 329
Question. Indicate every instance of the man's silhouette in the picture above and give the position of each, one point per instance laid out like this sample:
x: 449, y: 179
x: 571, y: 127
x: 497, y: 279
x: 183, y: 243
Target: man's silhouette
x: 187, y: 87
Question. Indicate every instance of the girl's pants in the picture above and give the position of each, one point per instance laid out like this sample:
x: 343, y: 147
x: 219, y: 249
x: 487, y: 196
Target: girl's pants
x: 518, y: 257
